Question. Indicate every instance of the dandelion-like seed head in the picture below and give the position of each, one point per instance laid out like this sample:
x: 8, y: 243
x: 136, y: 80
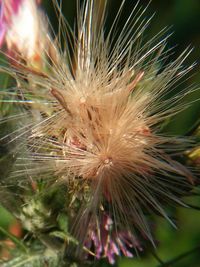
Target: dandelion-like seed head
x: 104, y: 141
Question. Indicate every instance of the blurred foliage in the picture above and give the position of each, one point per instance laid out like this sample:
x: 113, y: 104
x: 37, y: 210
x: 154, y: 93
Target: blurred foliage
x: 183, y: 16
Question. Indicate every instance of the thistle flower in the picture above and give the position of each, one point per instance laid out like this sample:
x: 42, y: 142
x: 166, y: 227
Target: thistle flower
x: 8, y: 9
x: 108, y: 243
x: 22, y: 29
x: 94, y: 124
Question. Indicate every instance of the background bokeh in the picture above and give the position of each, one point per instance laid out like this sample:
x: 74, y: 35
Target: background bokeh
x: 183, y: 19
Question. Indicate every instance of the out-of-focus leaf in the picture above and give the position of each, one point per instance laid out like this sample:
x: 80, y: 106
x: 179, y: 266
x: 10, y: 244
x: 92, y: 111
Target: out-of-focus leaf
x: 49, y: 259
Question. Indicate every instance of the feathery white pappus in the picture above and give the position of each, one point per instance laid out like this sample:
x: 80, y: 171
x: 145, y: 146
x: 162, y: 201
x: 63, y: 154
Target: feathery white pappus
x: 93, y: 122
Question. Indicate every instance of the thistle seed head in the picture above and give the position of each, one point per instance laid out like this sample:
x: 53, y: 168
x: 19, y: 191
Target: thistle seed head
x: 94, y: 121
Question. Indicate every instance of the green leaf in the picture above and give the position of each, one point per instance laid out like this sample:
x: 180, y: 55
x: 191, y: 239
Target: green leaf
x: 64, y: 236
x: 25, y: 260
x: 63, y: 222
x: 40, y: 259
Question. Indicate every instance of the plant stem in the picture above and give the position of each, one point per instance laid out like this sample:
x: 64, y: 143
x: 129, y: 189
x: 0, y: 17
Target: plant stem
x: 14, y: 239
x: 178, y: 258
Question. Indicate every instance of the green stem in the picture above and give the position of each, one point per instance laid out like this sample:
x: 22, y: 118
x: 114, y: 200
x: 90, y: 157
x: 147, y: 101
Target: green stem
x: 178, y: 258
x: 157, y: 257
x: 14, y: 239
x: 192, y: 130
x: 194, y: 207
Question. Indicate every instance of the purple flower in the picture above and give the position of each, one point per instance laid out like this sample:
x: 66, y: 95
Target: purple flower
x: 109, y: 242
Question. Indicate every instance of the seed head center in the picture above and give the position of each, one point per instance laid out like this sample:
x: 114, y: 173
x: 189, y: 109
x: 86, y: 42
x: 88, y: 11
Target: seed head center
x: 107, y: 161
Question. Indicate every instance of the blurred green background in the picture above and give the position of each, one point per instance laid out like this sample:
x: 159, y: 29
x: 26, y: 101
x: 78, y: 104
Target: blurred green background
x: 184, y: 17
